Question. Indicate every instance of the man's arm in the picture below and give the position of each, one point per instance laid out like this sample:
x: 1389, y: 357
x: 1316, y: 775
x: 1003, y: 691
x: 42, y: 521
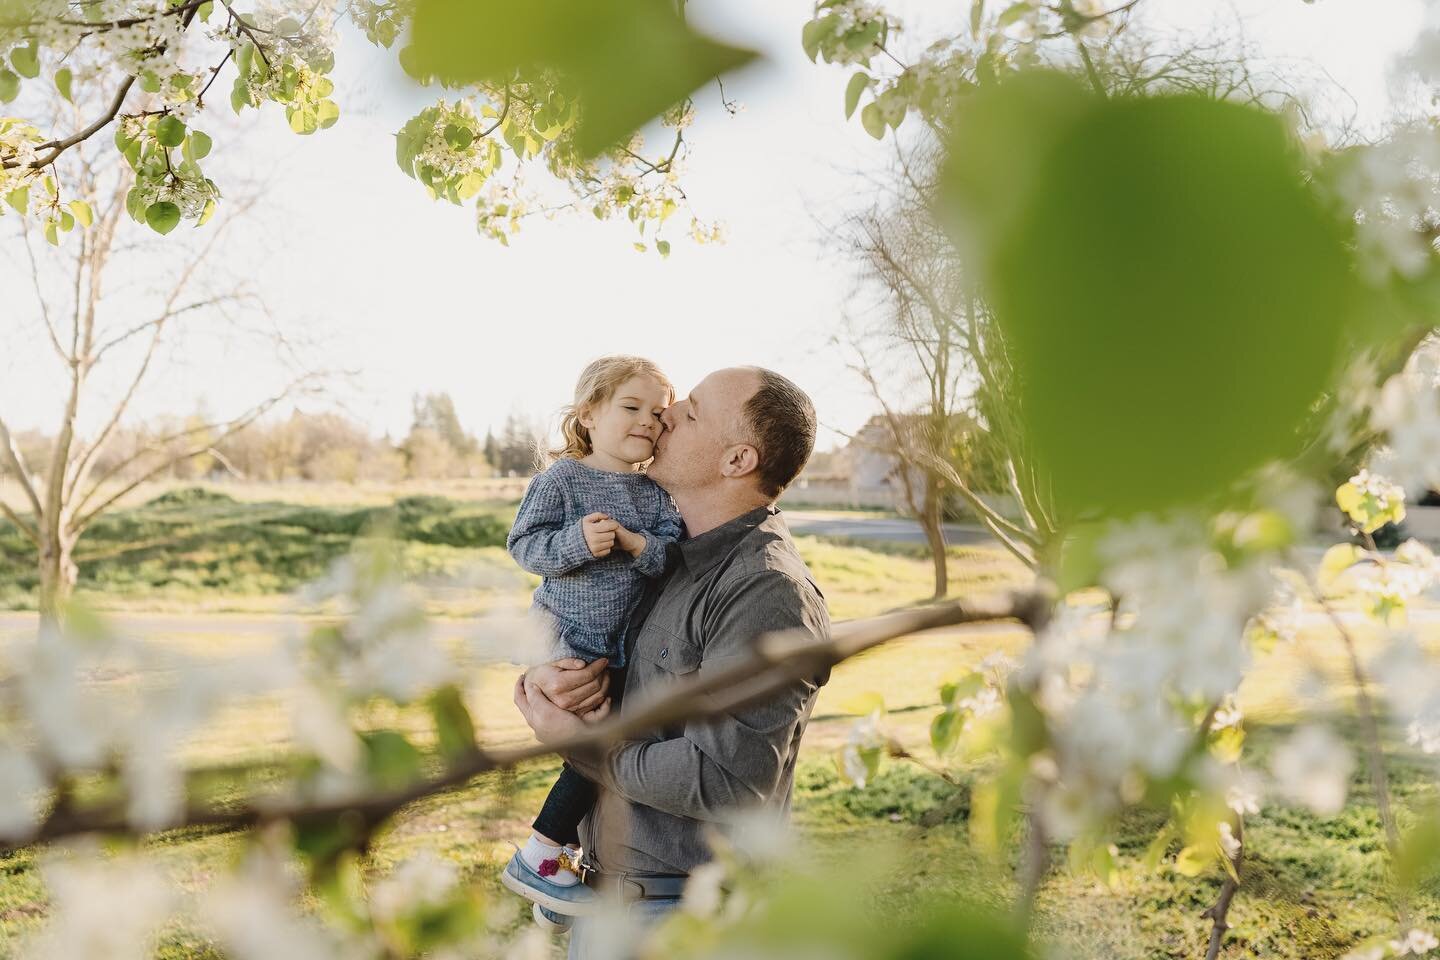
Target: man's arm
x: 736, y: 758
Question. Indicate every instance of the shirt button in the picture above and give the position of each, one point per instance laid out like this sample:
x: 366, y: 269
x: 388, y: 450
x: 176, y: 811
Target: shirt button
x: 664, y: 652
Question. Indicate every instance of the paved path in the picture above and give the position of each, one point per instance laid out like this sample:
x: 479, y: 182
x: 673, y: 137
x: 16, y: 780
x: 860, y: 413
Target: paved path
x: 893, y: 529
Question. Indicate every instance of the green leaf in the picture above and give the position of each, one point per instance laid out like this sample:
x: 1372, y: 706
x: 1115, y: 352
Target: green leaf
x: 1336, y: 561
x: 162, y: 216
x: 26, y: 60
x: 1013, y: 13
x: 858, y: 85
x: 197, y: 146
x: 204, y: 11
x: 454, y: 729
x: 391, y: 761
x: 626, y: 61
x: 244, y: 57
x: 19, y: 199
x: 944, y: 731
x: 302, y: 120
x: 135, y: 204
x: 459, y: 137
x: 1166, y: 330
x: 328, y: 112
x: 872, y: 121
x: 149, y: 82
x: 82, y: 212
x: 50, y: 233
x: 9, y: 86
x: 170, y: 131
x: 67, y: 221
x: 62, y: 82
x: 1195, y: 859
x: 812, y: 33
x: 663, y: 247
x: 206, y: 212
x: 1418, y: 856
x: 977, y: 17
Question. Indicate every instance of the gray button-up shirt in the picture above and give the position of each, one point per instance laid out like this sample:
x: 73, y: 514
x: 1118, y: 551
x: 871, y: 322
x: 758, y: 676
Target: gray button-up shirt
x: 723, y: 589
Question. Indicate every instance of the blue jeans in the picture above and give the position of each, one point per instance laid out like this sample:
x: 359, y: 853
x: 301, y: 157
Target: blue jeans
x: 588, y: 939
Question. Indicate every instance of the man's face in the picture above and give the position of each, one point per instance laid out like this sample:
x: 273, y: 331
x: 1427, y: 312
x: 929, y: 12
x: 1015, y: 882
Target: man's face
x: 701, y: 429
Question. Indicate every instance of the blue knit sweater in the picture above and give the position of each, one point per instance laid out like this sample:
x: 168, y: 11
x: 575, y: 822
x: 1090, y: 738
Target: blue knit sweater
x: 589, y: 599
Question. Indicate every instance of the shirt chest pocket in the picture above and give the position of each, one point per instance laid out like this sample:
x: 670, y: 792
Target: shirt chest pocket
x: 674, y: 655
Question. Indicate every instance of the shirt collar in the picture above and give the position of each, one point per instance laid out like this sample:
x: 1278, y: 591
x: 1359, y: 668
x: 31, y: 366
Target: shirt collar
x: 703, y: 552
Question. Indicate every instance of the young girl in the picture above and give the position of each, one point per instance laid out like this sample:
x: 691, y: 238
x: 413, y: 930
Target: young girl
x: 594, y: 527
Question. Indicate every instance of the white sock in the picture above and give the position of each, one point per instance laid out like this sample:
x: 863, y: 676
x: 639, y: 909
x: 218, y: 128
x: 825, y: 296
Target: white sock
x: 536, y: 852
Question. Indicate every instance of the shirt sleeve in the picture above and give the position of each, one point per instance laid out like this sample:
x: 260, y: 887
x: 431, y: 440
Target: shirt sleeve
x: 541, y: 539
x: 736, y: 758
x: 651, y: 561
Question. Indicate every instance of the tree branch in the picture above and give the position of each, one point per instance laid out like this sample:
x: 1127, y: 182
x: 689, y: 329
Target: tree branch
x: 778, y: 660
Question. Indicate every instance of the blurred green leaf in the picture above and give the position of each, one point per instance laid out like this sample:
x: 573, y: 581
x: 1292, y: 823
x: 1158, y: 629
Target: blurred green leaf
x: 858, y: 85
x: 454, y: 728
x: 26, y: 60
x: 626, y: 61
x: 9, y: 86
x: 1418, y: 856
x: 63, y: 78
x: 390, y: 759
x: 1172, y: 291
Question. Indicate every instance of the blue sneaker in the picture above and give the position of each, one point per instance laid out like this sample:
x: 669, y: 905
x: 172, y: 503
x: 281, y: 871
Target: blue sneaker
x: 575, y: 900
x: 549, y: 921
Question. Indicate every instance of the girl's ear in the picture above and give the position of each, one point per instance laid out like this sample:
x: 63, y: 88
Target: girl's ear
x: 585, y: 418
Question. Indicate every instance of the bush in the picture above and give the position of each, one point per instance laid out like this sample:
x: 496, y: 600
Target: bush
x: 188, y: 497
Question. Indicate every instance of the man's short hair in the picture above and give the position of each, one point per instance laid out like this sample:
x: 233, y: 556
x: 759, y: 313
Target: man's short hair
x: 781, y: 419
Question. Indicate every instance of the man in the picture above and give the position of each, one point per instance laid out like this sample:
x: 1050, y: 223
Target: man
x: 727, y: 452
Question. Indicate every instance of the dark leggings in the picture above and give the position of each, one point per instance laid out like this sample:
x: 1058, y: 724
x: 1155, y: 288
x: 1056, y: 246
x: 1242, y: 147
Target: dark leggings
x: 573, y: 795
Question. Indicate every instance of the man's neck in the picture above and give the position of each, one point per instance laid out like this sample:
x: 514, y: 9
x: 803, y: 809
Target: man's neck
x: 702, y: 511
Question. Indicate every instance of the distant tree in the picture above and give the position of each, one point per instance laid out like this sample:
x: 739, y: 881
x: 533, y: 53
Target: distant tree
x: 518, y: 447
x: 436, y: 411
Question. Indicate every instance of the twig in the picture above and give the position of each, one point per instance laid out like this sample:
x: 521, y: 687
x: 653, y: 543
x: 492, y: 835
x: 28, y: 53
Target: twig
x: 1219, y: 911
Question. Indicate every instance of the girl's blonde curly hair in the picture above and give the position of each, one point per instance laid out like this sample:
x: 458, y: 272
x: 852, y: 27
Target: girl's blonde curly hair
x: 597, y: 383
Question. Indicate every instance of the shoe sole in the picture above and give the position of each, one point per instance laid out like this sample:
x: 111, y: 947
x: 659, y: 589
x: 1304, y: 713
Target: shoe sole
x: 567, y: 907
x: 545, y: 923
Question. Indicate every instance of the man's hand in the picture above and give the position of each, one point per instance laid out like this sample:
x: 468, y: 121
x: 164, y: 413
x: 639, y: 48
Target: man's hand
x: 629, y: 541
x: 550, y: 722
x: 571, y: 685
x: 599, y: 532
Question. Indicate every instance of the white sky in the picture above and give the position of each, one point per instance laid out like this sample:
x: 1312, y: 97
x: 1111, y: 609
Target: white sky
x: 405, y: 293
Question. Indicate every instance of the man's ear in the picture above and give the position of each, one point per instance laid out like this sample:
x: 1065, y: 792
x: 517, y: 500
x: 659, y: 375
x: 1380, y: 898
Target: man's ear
x: 740, y: 460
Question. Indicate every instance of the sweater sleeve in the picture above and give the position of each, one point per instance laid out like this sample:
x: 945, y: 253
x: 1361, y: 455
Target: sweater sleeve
x: 542, y: 540
x: 651, y: 561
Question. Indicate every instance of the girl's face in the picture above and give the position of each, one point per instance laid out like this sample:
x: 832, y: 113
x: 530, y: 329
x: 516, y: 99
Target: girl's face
x: 624, y: 428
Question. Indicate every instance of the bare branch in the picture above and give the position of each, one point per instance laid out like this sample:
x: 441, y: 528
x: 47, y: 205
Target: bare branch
x: 11, y: 451
x: 30, y: 532
x: 239, y: 423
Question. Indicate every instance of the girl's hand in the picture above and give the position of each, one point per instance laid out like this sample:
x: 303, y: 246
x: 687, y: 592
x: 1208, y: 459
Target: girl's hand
x: 632, y: 543
x: 600, y: 533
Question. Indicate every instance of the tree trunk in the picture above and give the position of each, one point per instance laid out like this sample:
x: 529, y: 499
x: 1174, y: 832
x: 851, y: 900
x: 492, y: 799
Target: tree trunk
x: 931, y: 520
x: 58, y: 574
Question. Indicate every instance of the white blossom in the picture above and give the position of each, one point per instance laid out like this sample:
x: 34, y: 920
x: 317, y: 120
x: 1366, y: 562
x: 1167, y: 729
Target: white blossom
x: 1415, y: 943
x: 103, y: 909
x: 424, y: 880
x: 1313, y: 768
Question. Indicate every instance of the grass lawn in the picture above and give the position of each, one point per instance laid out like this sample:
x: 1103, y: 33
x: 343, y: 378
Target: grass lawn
x: 1312, y: 887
